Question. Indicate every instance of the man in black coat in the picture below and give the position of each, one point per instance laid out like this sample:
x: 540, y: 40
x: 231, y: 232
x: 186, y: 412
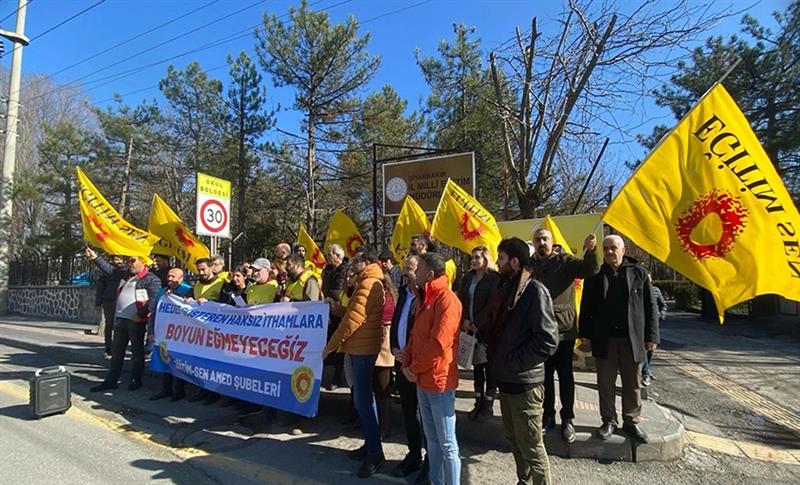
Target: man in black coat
x: 334, y: 282
x: 619, y: 319
x: 558, y: 270
x: 526, y: 336
x: 106, y: 296
x: 399, y: 335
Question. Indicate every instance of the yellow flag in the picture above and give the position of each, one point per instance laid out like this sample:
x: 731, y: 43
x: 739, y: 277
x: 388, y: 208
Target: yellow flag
x: 558, y: 238
x: 462, y: 222
x: 313, y: 253
x: 104, y: 228
x: 709, y: 203
x: 412, y: 220
x: 176, y: 239
x: 345, y: 233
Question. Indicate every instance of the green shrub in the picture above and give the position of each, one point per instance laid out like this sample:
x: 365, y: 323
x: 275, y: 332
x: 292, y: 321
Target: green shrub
x: 686, y: 296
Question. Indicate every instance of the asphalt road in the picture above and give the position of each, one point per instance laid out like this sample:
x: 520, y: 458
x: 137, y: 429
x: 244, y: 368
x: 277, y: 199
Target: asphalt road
x: 109, y: 440
x: 73, y: 449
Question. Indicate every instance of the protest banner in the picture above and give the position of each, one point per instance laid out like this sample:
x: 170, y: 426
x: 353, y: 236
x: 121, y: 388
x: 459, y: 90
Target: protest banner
x: 266, y: 354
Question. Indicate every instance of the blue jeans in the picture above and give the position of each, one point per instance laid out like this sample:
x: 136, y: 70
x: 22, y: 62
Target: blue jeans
x: 648, y: 364
x: 438, y: 411
x: 364, y: 400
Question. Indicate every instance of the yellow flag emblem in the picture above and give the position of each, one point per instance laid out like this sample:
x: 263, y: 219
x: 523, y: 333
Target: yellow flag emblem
x: 462, y: 222
x: 708, y: 202
x: 412, y: 220
x: 313, y: 253
x: 344, y: 232
x: 104, y: 228
x: 176, y: 239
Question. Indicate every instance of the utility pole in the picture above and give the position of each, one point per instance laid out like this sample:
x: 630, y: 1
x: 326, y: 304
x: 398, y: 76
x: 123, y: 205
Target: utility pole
x: 10, y: 149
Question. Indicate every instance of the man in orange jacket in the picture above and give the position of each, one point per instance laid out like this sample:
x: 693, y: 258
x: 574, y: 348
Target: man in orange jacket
x: 430, y: 361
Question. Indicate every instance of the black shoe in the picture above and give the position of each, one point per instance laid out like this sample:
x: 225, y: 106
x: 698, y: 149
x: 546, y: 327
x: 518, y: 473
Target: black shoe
x: 472, y: 415
x: 211, y: 398
x: 409, y: 465
x: 635, y: 433
x: 568, y: 431
x: 548, y: 422
x: 371, y: 465
x: 199, y: 396
x: 486, y: 412
x: 160, y: 395
x: 178, y: 395
x: 90, y: 332
x: 647, y: 380
x: 134, y: 385
x: 105, y: 386
x: 606, y: 430
x: 358, y: 454
x: 424, y: 475
x: 331, y: 387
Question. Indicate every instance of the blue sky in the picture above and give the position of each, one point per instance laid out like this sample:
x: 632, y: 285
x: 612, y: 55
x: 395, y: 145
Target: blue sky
x: 398, y: 27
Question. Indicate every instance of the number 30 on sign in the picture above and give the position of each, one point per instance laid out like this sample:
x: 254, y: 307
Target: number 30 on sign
x: 213, y: 206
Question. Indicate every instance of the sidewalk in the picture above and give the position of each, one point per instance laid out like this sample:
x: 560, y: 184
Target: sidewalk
x: 215, y: 428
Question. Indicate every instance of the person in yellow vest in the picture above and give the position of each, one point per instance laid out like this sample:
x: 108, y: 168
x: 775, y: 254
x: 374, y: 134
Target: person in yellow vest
x: 208, y: 287
x: 421, y: 244
x: 309, y: 265
x: 218, y: 267
x: 265, y: 287
x: 303, y: 284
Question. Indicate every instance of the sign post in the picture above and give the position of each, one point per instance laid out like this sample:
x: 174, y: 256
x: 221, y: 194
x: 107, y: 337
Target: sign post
x: 213, y: 214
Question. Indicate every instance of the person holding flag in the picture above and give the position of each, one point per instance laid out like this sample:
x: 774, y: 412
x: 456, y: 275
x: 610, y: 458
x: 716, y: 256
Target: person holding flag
x: 557, y: 270
x: 136, y: 299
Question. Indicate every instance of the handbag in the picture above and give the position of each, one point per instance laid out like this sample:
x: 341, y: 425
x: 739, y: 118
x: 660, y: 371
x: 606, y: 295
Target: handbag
x: 466, y: 349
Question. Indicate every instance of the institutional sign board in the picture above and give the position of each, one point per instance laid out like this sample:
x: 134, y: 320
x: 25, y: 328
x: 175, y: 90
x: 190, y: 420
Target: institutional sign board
x: 213, y: 206
x: 425, y: 179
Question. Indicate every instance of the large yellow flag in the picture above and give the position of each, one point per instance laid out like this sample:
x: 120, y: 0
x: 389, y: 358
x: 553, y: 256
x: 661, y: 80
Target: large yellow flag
x: 345, y: 233
x: 412, y: 220
x: 176, y: 239
x: 709, y: 203
x: 313, y: 253
x: 462, y: 222
x: 104, y: 228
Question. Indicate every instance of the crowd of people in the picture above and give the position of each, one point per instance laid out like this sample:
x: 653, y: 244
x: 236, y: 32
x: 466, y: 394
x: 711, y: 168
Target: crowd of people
x: 398, y: 326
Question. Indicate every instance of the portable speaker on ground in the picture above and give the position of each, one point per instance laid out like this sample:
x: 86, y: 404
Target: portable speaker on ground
x: 50, y: 392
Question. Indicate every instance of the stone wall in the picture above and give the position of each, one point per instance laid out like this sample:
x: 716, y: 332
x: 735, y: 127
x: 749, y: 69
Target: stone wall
x: 69, y: 303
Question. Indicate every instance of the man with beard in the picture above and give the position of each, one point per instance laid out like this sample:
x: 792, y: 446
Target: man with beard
x: 527, y: 335
x: 558, y: 270
x: 135, y: 301
x: 302, y: 284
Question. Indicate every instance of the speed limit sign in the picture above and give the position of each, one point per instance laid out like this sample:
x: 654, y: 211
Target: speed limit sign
x: 213, y: 206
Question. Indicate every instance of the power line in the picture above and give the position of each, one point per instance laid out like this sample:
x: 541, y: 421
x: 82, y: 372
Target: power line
x: 137, y: 36
x: 15, y: 11
x: 161, y: 44
x: 67, y: 20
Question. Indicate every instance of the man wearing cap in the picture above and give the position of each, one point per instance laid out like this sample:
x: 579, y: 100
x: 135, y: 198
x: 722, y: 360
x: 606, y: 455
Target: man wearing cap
x: 265, y: 288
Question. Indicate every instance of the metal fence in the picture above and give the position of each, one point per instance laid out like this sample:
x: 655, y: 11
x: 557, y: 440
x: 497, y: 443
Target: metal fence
x: 68, y: 270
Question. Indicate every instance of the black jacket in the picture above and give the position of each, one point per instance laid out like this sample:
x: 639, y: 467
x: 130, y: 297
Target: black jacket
x: 527, y: 335
x: 229, y: 289
x: 558, y: 273
x: 641, y: 304
x: 486, y: 287
x: 334, y: 280
x: 402, y: 294
x: 108, y: 283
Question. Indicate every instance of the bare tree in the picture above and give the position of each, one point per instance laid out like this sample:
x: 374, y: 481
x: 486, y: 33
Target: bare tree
x: 587, y: 79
